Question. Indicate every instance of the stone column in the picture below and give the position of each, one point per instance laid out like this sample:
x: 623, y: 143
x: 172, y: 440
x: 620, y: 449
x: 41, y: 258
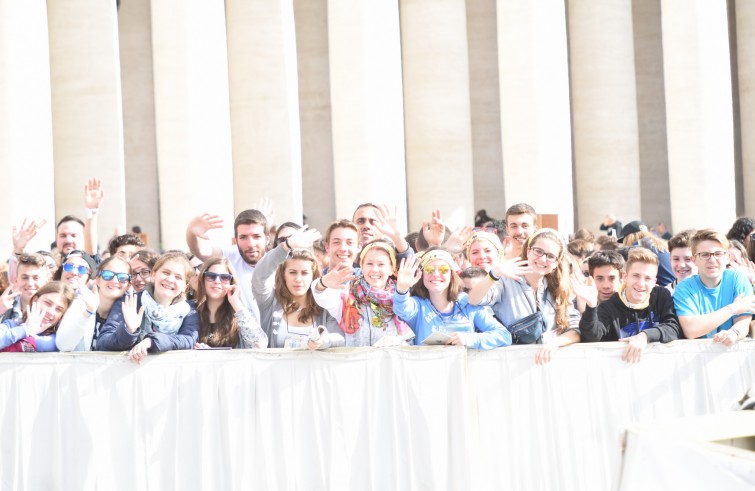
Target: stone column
x: 319, y: 195
x: 26, y: 154
x: 264, y: 105
x: 364, y: 43
x: 437, y: 106
x: 485, y: 108
x: 604, y: 111
x: 535, y: 112
x: 192, y: 116
x: 745, y: 12
x: 651, y: 112
x: 140, y: 147
x: 87, y: 108
x: 699, y: 113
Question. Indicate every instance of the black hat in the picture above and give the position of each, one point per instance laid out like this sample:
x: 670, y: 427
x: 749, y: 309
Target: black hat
x: 632, y: 228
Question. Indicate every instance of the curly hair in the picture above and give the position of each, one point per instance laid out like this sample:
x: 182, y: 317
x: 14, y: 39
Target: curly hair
x: 741, y: 228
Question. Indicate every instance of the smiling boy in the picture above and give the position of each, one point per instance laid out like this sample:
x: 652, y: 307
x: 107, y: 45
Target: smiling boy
x: 716, y: 302
x: 638, y: 314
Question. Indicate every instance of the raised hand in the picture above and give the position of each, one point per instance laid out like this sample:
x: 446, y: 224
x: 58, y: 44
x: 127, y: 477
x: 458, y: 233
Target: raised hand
x: 459, y: 237
x: 200, y: 225
x: 265, y: 206
x: 586, y: 290
x: 7, y: 299
x: 28, y: 230
x: 408, y: 274
x: 93, y: 193
x: 34, y: 316
x: 234, y: 297
x: 387, y: 223
x: 337, y: 276
x: 90, y: 298
x: 303, y: 238
x: 132, y: 318
x: 512, y: 269
x: 434, y: 231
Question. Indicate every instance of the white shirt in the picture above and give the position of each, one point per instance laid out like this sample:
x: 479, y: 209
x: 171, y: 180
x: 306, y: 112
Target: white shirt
x: 244, y: 272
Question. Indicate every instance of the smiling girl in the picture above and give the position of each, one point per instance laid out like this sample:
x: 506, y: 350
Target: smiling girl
x: 437, y: 303
x: 165, y: 321
x: 37, y: 330
x: 364, y: 309
x: 223, y: 319
x: 536, y: 284
x: 281, y: 287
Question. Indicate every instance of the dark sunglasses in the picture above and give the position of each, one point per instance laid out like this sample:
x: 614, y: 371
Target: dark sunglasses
x: 224, y: 278
x: 108, y: 275
x: 70, y: 268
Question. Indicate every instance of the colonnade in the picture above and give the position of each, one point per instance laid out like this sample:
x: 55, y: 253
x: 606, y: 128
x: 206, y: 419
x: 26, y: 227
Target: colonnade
x: 642, y: 108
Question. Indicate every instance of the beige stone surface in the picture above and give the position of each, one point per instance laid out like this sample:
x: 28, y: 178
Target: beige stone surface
x: 437, y: 110
x: 87, y: 108
x: 314, y: 112
x: 535, y: 110
x: 364, y: 47
x: 140, y: 146
x: 26, y: 157
x: 264, y: 106
x: 604, y: 111
x: 699, y: 113
x: 745, y: 22
x: 192, y: 117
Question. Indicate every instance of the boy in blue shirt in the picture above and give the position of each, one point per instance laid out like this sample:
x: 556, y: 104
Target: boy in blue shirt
x: 717, y: 302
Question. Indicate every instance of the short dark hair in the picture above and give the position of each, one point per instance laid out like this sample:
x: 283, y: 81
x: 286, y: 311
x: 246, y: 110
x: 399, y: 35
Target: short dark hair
x: 579, y: 248
x: 122, y: 240
x: 521, y: 209
x: 69, y: 218
x: 472, y: 272
x: 343, y: 223
x: 249, y: 217
x: 608, y: 243
x: 146, y: 256
x: 364, y: 205
x: 32, y: 259
x: 605, y: 258
x: 681, y: 240
x: 584, y: 234
x: 741, y: 228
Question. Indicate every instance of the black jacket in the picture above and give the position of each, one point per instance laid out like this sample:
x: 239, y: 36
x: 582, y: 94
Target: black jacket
x: 612, y: 319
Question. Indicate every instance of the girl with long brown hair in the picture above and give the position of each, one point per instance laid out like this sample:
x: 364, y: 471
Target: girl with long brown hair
x: 281, y: 286
x: 534, y: 291
x: 223, y: 319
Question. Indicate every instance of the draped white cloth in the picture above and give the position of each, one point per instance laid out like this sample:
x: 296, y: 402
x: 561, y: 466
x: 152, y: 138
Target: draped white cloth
x: 411, y: 418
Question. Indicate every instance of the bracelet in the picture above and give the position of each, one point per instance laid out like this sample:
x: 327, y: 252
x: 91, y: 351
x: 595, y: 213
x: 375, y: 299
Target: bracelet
x: 735, y: 331
x: 492, y: 276
x: 322, y: 284
x: 91, y: 212
x: 90, y: 312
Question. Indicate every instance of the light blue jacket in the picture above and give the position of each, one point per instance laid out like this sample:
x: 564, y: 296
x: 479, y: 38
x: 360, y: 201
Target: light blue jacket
x: 12, y: 331
x: 485, y: 331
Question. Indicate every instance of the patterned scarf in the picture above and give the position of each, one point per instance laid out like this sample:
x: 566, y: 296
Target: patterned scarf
x: 157, y: 318
x: 360, y: 296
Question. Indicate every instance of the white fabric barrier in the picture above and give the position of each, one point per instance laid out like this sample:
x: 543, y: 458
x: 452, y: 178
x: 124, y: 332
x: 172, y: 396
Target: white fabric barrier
x: 429, y: 418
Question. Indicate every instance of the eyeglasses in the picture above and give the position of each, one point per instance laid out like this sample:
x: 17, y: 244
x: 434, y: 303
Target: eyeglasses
x: 108, y: 275
x: 225, y: 278
x: 551, y: 258
x: 707, y: 255
x: 70, y: 268
x: 442, y: 269
x: 143, y: 274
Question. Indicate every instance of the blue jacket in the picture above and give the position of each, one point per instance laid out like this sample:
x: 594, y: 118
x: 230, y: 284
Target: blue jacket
x: 114, y: 335
x: 423, y: 318
x: 12, y: 331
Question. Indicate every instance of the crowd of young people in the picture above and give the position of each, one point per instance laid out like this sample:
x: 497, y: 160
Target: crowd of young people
x: 365, y: 283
